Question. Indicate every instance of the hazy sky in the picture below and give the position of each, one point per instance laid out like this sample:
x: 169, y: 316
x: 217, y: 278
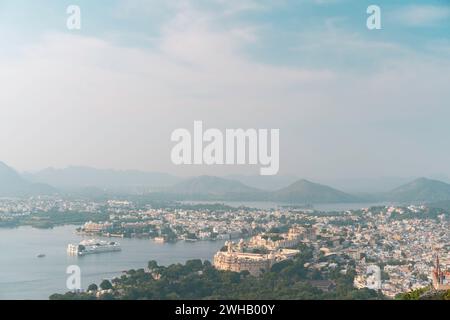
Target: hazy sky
x: 349, y: 102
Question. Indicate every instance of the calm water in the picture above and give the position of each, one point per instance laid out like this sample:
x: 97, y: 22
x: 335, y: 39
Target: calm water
x: 24, y: 276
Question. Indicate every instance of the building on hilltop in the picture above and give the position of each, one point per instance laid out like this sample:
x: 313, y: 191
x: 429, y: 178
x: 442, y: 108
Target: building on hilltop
x: 278, y: 241
x: 235, y: 259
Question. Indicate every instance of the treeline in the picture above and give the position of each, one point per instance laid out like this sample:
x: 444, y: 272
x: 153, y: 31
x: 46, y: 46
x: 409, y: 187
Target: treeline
x: 54, y: 218
x: 427, y: 293
x: 195, y: 279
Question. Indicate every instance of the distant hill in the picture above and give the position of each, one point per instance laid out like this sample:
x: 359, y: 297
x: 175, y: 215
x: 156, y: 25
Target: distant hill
x: 374, y: 185
x: 269, y: 183
x: 209, y: 185
x: 304, y: 191
x: 301, y: 191
x: 421, y: 189
x: 13, y: 185
x: 83, y: 177
x: 86, y: 181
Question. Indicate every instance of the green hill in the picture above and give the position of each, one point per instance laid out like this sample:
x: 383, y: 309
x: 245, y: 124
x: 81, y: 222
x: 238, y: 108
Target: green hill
x: 421, y: 189
x: 304, y: 191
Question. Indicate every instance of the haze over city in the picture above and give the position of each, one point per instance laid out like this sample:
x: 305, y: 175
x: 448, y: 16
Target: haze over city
x: 212, y: 151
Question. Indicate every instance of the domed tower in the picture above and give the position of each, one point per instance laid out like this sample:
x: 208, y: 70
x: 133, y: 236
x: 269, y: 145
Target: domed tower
x: 241, y: 245
x: 229, y: 245
x: 437, y: 274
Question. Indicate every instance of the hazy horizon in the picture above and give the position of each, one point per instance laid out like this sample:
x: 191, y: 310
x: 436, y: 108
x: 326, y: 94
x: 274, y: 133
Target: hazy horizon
x: 353, y: 185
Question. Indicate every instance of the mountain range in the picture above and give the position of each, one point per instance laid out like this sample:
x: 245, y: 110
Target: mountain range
x: 12, y: 184
x: 283, y: 189
x: 85, y: 177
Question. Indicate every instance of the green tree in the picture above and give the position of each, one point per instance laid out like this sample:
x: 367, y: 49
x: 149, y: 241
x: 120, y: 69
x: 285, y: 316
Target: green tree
x: 106, y: 285
x: 152, y: 265
x: 92, y: 287
x: 194, y: 265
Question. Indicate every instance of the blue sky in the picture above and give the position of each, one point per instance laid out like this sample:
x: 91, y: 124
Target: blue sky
x: 279, y: 25
x: 348, y: 101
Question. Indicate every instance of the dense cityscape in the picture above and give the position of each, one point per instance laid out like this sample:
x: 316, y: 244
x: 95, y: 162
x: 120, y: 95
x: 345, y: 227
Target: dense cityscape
x: 389, y: 249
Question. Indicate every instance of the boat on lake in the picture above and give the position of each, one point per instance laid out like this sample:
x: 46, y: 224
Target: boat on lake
x: 93, y: 246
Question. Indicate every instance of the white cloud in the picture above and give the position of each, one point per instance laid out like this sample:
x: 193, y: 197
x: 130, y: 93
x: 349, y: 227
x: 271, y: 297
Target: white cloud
x: 326, y: 1
x: 86, y: 101
x: 237, y: 6
x: 421, y: 15
x: 92, y: 102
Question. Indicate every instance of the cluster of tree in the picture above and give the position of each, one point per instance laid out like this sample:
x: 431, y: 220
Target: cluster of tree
x: 195, y: 279
x: 426, y: 293
x: 51, y: 219
x: 208, y: 207
x: 427, y: 213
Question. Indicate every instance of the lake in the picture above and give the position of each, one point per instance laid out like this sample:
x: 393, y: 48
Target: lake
x: 25, y: 276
